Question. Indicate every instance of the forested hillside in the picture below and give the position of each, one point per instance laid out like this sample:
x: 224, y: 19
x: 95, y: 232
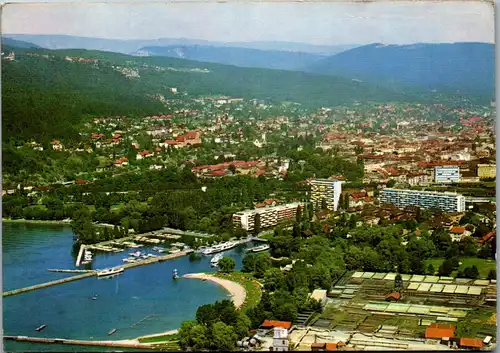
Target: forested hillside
x: 46, y: 96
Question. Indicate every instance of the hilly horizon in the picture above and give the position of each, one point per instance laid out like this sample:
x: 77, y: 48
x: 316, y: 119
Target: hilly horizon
x: 242, y: 57
x: 128, y: 46
x: 466, y: 68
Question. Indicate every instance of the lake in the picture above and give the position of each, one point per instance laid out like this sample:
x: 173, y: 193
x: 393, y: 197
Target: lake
x: 143, y: 300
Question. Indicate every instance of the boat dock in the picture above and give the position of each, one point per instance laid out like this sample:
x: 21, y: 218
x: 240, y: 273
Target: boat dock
x: 80, y: 253
x: 123, y: 344
x: 150, y: 260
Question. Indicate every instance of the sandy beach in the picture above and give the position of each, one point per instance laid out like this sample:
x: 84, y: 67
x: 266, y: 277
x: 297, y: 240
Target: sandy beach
x: 237, y: 291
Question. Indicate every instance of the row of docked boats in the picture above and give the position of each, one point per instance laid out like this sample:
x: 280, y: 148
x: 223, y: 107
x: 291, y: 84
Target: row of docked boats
x: 137, y: 255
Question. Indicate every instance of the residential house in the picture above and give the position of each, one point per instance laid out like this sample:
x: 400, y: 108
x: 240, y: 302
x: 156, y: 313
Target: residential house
x: 57, y: 145
x: 121, y: 162
x: 457, y: 233
x: 144, y: 154
x: 471, y: 343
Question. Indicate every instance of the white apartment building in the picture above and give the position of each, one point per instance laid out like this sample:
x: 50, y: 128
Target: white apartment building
x: 328, y: 190
x: 445, y: 201
x: 447, y: 174
x: 269, y: 216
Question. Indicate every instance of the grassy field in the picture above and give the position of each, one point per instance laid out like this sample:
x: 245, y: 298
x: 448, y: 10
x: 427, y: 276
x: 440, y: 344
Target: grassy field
x: 162, y: 338
x: 483, y: 265
x: 252, y: 287
x: 478, y: 324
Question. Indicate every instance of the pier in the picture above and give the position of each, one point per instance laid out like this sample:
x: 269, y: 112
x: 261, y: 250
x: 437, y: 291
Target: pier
x: 151, y: 260
x: 70, y: 271
x: 80, y: 253
x: 122, y: 344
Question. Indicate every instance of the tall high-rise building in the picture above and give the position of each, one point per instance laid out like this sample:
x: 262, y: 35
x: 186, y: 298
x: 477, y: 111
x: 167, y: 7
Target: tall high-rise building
x: 445, y: 201
x: 447, y: 174
x: 328, y: 190
x: 269, y: 216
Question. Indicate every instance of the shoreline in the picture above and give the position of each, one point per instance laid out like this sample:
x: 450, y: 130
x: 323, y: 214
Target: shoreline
x: 237, y: 291
x: 36, y: 221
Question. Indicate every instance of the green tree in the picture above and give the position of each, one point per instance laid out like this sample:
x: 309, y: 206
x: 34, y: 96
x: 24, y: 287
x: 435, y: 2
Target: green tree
x: 492, y: 274
x: 274, y: 279
x: 430, y: 270
x: 227, y: 264
x: 257, y: 223
x: 398, y: 283
x: 446, y: 268
x: 249, y: 263
x: 243, y: 324
x: 223, y: 337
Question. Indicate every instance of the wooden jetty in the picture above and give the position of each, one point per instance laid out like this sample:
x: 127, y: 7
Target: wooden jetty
x: 148, y: 261
x: 122, y: 344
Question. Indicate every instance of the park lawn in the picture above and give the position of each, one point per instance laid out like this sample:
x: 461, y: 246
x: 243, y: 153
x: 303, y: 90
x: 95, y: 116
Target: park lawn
x: 117, y: 207
x: 483, y: 265
x: 162, y: 338
x: 251, y: 285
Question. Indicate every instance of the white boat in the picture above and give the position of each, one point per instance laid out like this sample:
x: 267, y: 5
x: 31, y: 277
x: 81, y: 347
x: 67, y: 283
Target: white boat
x: 215, y: 260
x: 259, y: 248
x: 129, y: 260
x: 220, y: 247
x: 110, y: 271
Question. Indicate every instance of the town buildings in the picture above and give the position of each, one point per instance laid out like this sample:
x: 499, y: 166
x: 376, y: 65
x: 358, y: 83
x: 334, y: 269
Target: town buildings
x: 269, y: 216
x: 447, y: 174
x: 486, y: 171
x: 445, y: 201
x: 327, y: 190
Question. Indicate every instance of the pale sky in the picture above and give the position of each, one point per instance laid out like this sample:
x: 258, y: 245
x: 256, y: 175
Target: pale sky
x: 314, y: 23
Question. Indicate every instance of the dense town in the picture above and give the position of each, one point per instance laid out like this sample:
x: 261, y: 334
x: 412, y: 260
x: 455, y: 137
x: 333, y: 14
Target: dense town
x: 387, y: 210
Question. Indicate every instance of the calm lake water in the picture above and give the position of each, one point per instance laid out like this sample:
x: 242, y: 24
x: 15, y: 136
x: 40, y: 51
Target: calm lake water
x: 143, y: 300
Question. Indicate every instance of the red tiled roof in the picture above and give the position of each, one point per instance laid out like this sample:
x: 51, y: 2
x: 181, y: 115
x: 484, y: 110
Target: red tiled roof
x: 487, y: 237
x: 436, y: 330
x: 170, y: 142
x: 457, y: 230
x: 218, y: 173
x: 394, y: 295
x: 81, y: 182
x: 274, y: 323
x: 438, y: 333
x: 333, y: 346
x: 471, y: 342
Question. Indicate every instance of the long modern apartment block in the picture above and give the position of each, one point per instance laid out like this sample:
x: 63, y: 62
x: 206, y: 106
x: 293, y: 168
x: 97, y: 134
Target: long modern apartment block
x: 328, y: 190
x: 447, y: 174
x: 445, y: 201
x: 269, y: 216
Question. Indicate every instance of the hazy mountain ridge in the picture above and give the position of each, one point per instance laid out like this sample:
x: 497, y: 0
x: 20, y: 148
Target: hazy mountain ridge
x: 132, y: 45
x: 242, y: 57
x: 468, y: 68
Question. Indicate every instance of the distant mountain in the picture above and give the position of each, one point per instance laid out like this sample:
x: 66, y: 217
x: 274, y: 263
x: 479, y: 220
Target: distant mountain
x: 17, y: 43
x: 133, y: 45
x: 243, y: 57
x: 466, y: 68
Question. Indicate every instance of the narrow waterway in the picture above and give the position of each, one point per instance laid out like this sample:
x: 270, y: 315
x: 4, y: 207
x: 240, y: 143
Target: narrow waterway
x: 141, y: 301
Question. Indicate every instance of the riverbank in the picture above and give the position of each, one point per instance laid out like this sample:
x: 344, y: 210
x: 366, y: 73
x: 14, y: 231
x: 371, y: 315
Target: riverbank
x: 36, y: 221
x: 237, y: 291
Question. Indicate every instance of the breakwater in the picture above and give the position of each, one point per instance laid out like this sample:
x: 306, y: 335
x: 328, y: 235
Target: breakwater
x: 121, y: 344
x: 94, y: 273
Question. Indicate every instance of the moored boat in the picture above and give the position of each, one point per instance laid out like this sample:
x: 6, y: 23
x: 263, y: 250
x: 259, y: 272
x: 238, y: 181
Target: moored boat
x: 220, y: 247
x: 40, y: 328
x: 110, y: 271
x: 259, y: 248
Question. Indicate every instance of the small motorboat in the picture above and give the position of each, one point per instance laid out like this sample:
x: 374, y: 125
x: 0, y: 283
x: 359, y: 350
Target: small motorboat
x: 111, y: 332
x: 175, y: 274
x: 40, y: 328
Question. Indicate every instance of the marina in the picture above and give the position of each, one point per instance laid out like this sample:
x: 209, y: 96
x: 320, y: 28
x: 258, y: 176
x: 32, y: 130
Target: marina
x: 93, y: 273
x: 70, y: 310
